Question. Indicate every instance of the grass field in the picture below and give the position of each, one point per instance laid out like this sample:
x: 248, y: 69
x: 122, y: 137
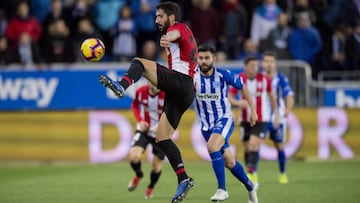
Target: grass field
x: 310, y: 182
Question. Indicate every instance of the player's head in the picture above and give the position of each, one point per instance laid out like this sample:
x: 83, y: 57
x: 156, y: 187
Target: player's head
x: 269, y: 62
x: 167, y: 14
x: 206, y: 58
x: 153, y: 90
x: 251, y: 67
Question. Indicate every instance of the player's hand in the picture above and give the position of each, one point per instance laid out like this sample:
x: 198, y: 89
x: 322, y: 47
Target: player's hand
x: 242, y: 103
x: 253, y: 118
x: 164, y: 42
x: 276, y: 122
x: 144, y: 126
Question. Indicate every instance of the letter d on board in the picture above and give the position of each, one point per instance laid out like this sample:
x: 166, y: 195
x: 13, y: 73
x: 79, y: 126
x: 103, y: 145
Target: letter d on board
x: 329, y: 134
x: 120, y: 151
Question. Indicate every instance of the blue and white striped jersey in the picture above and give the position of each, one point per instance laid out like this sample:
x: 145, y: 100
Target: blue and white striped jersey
x: 282, y: 89
x: 211, y: 100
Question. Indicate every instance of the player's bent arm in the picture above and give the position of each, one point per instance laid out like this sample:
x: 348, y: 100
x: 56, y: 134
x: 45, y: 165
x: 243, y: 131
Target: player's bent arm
x: 173, y: 35
x: 289, y: 104
x: 233, y: 101
x: 135, y: 110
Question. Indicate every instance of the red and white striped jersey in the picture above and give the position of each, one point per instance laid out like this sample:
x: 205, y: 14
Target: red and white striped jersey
x: 259, y: 88
x: 182, y: 53
x: 147, y: 107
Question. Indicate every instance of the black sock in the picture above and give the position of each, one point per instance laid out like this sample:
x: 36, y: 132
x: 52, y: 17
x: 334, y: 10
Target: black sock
x: 173, y: 154
x: 246, y: 158
x: 137, y: 168
x: 133, y: 74
x: 253, y: 160
x: 154, y: 177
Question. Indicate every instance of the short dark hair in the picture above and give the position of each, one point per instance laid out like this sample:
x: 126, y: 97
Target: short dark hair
x: 207, y: 47
x: 269, y: 53
x: 249, y: 59
x: 170, y: 8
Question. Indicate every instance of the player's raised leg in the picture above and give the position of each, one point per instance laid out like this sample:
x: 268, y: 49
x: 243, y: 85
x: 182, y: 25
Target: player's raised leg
x: 138, y: 67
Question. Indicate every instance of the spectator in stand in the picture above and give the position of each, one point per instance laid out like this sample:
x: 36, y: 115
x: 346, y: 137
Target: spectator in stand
x: 85, y: 30
x: 349, y: 13
x: 144, y: 13
x: 125, y: 31
x: 106, y: 14
x: 78, y: 11
x: 149, y: 50
x: 305, y: 41
x: 300, y: 7
x: 204, y: 21
x: 26, y: 52
x: 352, y: 48
x: 39, y: 9
x: 234, y: 24
x: 56, y: 12
x: 277, y: 41
x: 58, y: 47
x: 3, y: 23
x: 4, y: 52
x: 250, y: 50
x: 264, y: 20
x: 21, y: 23
x: 337, y: 61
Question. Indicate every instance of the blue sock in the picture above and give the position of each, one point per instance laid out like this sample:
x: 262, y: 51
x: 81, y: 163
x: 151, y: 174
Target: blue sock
x: 239, y: 173
x: 218, y: 165
x: 282, y: 160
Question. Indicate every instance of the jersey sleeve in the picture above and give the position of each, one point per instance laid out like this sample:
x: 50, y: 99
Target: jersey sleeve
x: 285, y: 87
x: 135, y: 105
x: 233, y: 79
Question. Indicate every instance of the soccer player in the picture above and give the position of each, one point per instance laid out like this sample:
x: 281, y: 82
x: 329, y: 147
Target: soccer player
x: 176, y: 81
x: 217, y: 124
x: 260, y: 88
x: 147, y: 107
x: 285, y: 102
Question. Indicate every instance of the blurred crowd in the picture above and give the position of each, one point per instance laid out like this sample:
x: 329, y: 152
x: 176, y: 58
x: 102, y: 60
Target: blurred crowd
x: 324, y: 33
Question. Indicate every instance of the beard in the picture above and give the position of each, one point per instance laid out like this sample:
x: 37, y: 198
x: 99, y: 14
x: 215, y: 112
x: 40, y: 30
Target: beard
x: 206, y: 68
x: 163, y: 28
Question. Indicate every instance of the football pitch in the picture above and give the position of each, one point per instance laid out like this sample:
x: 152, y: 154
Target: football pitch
x: 310, y: 182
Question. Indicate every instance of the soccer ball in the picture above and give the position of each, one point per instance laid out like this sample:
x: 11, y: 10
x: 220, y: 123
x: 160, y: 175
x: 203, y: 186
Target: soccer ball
x: 92, y: 49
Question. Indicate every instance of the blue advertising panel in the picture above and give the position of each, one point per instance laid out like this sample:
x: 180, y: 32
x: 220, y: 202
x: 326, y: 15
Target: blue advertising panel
x: 58, y: 90
x: 342, y: 97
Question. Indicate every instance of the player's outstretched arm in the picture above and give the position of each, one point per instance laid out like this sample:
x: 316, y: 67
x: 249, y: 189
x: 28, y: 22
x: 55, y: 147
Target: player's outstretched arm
x: 169, y: 37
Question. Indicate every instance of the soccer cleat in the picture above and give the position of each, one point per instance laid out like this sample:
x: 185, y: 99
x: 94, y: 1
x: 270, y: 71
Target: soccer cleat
x: 149, y: 193
x: 253, y: 177
x: 220, y: 195
x: 133, y: 183
x: 182, y: 190
x: 283, y: 179
x: 113, y: 85
x: 253, y: 194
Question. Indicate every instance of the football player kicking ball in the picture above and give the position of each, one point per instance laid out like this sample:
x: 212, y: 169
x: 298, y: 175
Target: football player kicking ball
x: 147, y: 107
x: 217, y: 123
x: 176, y: 81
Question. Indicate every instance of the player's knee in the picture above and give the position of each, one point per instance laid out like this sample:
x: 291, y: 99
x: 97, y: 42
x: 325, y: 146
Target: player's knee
x: 212, y: 148
x: 229, y: 164
x: 134, y: 157
x: 137, y: 62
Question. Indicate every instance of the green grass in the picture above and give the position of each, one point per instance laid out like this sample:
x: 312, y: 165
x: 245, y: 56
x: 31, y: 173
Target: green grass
x: 318, y: 182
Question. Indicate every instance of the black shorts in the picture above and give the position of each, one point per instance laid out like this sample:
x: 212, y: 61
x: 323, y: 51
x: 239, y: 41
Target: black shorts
x: 179, y: 93
x: 258, y: 129
x: 142, y: 140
